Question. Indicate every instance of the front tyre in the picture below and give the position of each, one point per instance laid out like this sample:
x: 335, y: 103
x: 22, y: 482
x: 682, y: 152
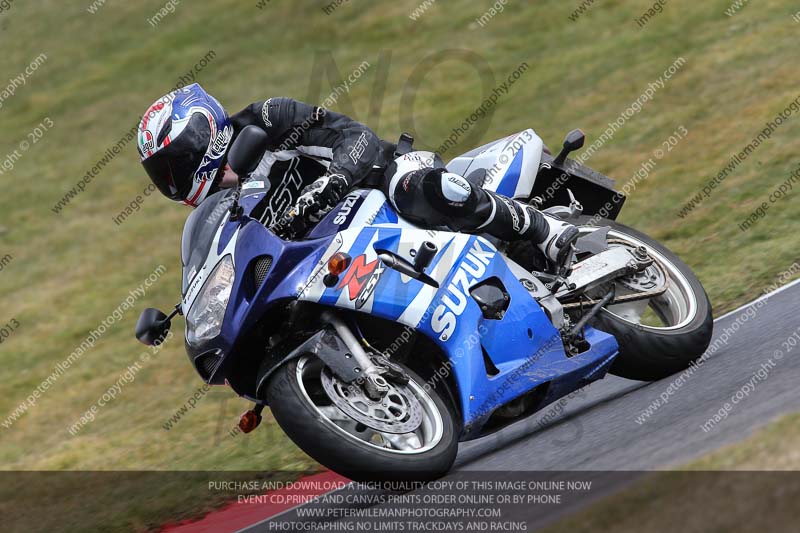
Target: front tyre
x: 300, y: 397
x: 665, y: 334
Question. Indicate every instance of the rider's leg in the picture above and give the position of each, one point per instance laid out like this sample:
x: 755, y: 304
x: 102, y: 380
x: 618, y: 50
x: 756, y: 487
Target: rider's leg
x: 440, y: 198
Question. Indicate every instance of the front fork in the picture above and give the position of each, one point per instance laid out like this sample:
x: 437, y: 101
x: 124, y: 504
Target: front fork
x: 375, y: 384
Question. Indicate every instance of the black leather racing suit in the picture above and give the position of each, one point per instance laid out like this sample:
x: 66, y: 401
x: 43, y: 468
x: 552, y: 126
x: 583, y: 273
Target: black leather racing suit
x: 342, y: 144
x: 350, y: 149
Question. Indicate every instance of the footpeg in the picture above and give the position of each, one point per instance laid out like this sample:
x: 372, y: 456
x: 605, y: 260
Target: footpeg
x: 575, y: 207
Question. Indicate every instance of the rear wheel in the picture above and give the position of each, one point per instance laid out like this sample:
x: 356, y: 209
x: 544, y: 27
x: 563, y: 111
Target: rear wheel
x: 664, y: 334
x: 409, y: 435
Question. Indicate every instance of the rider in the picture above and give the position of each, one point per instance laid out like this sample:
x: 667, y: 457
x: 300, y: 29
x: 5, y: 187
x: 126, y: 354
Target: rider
x: 184, y: 138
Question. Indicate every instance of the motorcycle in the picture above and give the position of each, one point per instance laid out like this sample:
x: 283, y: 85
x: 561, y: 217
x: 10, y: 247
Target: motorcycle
x: 380, y: 345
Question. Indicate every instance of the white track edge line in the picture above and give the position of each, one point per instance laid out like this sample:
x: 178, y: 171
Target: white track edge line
x: 760, y: 298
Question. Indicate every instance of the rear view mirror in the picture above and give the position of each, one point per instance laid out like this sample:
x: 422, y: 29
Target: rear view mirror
x: 573, y: 141
x: 152, y: 327
x: 247, y: 150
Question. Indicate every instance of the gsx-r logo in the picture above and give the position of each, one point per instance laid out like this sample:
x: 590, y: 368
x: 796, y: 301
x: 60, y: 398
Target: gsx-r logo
x: 362, y: 279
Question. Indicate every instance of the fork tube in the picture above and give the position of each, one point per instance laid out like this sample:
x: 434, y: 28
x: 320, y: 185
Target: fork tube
x: 359, y: 354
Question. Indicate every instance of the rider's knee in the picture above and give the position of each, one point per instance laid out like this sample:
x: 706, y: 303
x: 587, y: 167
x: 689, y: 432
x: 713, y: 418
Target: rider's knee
x: 449, y: 193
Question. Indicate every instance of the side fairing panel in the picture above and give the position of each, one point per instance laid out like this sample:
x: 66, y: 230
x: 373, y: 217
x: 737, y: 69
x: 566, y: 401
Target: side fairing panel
x: 520, y: 345
x: 524, y: 345
x: 369, y: 287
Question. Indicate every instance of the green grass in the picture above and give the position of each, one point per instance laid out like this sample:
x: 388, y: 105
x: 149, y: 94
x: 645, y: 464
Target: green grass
x: 71, y: 270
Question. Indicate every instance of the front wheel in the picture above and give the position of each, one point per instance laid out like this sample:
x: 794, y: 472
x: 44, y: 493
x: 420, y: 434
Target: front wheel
x: 665, y: 334
x: 409, y: 435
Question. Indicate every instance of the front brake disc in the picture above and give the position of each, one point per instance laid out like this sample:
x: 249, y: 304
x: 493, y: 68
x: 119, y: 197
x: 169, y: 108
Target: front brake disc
x: 399, y: 411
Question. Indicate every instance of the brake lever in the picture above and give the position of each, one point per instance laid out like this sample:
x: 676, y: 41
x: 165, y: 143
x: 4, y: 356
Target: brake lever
x: 291, y: 223
x: 283, y: 227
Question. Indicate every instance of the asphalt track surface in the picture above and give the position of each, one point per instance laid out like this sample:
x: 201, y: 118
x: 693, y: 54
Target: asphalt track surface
x: 599, y: 429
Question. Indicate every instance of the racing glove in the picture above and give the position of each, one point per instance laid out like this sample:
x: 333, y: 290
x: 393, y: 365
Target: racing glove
x: 317, y: 199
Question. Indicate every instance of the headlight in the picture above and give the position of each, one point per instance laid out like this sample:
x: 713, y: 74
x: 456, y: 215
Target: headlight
x: 205, y: 316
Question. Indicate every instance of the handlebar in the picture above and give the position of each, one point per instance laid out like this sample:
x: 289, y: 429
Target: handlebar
x: 293, y: 223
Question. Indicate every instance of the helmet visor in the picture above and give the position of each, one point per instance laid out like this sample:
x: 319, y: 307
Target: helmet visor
x: 172, y: 169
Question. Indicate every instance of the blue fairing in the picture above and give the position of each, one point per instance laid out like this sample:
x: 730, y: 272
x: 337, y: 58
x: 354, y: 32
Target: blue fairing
x: 523, y: 346
x: 293, y: 263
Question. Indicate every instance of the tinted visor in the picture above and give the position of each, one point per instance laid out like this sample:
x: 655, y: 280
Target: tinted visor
x: 172, y: 168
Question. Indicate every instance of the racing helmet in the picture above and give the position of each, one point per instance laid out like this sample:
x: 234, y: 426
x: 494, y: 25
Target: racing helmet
x: 183, y: 141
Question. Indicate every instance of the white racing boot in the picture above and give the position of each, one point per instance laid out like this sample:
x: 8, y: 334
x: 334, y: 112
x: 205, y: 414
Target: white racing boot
x: 560, y: 238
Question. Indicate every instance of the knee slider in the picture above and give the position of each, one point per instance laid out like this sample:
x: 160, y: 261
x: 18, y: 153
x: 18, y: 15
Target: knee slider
x: 455, y: 189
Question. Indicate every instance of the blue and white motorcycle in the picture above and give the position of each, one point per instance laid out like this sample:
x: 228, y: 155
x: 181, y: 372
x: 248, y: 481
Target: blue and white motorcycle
x: 380, y: 345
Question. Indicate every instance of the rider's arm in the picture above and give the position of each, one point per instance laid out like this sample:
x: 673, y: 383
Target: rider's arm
x: 350, y: 146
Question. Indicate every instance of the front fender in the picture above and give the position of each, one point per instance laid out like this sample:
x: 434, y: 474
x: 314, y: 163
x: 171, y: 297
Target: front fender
x: 325, y: 344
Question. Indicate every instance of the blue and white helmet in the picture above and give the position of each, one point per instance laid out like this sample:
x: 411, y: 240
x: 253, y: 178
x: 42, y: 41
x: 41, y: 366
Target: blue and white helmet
x: 183, y: 140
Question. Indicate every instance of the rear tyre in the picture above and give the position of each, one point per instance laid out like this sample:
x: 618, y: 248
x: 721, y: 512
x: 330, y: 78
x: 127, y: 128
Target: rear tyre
x: 650, y: 352
x: 303, y: 408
